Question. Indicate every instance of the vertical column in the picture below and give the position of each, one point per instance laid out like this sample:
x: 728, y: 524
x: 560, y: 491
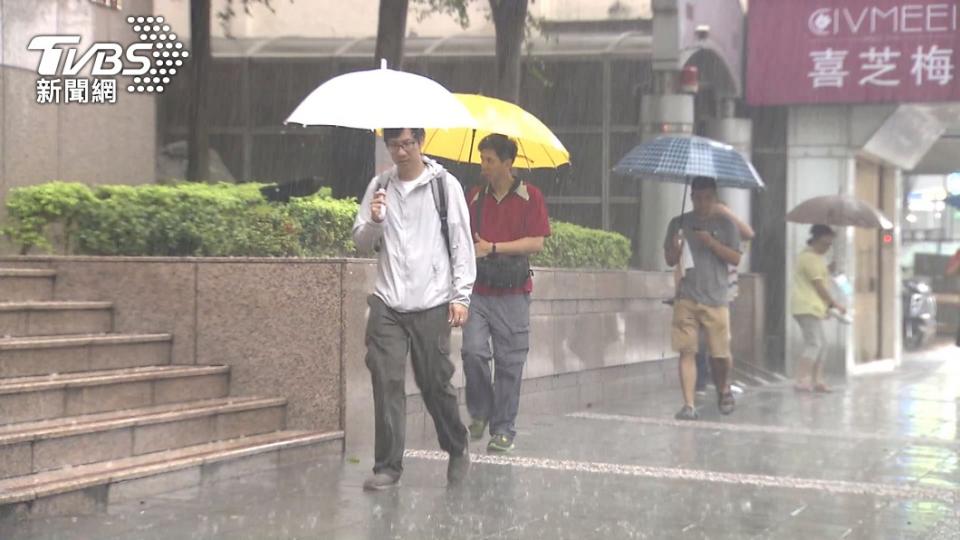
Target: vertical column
x: 890, y: 272
x: 736, y: 132
x: 605, y: 145
x: 660, y: 202
x: 770, y: 126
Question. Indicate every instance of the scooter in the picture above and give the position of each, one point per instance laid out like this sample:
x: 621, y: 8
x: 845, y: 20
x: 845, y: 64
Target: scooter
x: 919, y: 314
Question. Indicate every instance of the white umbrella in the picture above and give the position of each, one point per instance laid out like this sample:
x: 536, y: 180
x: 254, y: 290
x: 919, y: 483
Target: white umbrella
x: 840, y: 211
x: 382, y: 98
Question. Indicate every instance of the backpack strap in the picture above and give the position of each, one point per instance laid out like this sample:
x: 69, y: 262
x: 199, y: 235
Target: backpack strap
x: 439, y: 189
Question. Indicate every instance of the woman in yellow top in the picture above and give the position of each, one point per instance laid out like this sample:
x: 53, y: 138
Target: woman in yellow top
x: 811, y: 304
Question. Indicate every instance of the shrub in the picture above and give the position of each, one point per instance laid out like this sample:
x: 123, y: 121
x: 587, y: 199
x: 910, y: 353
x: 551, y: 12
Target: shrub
x: 326, y: 224
x: 187, y: 219
x: 573, y: 246
x: 32, y: 210
x: 194, y: 219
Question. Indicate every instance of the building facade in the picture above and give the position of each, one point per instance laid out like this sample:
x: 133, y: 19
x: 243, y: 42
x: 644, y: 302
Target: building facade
x: 85, y: 142
x: 846, y: 98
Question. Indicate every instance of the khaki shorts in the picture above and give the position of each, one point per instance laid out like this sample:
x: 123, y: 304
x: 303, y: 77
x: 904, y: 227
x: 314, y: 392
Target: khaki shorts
x: 689, y: 317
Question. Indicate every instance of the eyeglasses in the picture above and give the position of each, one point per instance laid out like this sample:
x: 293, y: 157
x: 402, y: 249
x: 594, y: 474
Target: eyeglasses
x: 407, y: 145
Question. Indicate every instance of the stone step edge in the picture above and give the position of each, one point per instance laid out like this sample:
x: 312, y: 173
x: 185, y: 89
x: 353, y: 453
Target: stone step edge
x: 95, y: 423
x: 27, y: 272
x: 47, y: 484
x: 55, y: 342
x: 54, y: 305
x: 80, y: 379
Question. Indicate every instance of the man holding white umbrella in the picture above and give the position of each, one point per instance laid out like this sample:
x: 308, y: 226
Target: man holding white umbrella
x: 415, y: 216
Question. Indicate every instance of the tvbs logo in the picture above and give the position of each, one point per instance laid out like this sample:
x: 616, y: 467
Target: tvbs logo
x: 152, y: 62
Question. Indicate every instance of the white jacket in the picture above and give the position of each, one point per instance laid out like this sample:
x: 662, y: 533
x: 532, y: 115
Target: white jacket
x: 414, y: 271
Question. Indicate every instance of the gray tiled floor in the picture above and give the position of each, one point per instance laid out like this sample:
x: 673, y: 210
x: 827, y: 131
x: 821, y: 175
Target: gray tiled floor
x: 880, y: 458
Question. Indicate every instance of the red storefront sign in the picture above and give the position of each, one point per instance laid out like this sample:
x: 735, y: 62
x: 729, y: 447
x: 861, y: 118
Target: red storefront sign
x: 852, y: 51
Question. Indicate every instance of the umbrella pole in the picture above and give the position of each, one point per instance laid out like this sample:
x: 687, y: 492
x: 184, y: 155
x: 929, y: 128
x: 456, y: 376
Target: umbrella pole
x: 683, y: 210
x: 525, y: 156
x: 473, y: 137
x: 683, y: 203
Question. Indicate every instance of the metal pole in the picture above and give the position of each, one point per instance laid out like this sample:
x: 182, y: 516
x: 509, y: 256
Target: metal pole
x: 606, y: 165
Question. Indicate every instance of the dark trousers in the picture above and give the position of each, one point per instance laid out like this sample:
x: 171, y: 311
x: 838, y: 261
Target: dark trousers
x: 503, y: 321
x: 425, y: 335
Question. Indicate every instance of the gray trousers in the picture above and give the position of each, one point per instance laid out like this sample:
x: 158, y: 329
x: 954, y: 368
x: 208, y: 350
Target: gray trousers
x: 426, y: 336
x: 504, y: 321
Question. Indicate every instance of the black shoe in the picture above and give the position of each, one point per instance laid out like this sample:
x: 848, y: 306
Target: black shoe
x: 458, y: 468
x: 380, y: 482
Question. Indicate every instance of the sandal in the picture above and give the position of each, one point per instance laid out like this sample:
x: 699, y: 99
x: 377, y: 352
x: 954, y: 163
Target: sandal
x: 803, y: 388
x: 726, y: 403
x: 822, y: 388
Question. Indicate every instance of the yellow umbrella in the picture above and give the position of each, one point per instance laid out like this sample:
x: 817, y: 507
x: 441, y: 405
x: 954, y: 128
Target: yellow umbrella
x: 538, y: 146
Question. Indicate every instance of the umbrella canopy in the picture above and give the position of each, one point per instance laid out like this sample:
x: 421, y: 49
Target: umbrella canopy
x: 538, y: 146
x: 381, y: 98
x: 839, y: 211
x: 675, y: 158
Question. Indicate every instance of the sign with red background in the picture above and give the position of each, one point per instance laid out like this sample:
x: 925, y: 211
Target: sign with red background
x: 852, y: 51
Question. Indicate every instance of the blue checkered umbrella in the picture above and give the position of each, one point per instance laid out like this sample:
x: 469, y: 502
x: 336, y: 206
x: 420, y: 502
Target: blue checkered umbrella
x: 672, y: 158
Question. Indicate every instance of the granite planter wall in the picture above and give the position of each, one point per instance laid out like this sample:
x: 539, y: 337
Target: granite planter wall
x: 295, y: 328
x: 275, y: 322
x: 594, y: 335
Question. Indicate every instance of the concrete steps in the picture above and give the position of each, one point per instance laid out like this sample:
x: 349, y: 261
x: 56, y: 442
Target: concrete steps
x: 91, y: 488
x: 89, y: 417
x: 31, y: 355
x: 34, y: 447
x: 55, y: 318
x: 41, y: 397
x: 754, y: 375
x: 26, y: 284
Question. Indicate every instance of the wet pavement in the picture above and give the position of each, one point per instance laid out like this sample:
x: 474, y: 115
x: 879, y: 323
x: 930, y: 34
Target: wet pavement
x: 879, y: 458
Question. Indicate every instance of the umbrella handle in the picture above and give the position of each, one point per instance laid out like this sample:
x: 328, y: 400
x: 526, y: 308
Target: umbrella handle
x: 683, y: 210
x: 683, y: 203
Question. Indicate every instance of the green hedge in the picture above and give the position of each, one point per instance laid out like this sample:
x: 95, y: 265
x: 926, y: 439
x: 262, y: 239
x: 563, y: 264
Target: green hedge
x: 573, y: 246
x: 194, y: 219
x: 188, y: 219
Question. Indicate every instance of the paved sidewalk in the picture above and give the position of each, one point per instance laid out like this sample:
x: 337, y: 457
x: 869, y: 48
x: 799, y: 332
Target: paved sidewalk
x: 879, y: 458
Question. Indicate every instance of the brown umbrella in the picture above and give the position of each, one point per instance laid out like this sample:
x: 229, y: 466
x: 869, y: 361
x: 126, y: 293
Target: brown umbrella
x: 839, y: 211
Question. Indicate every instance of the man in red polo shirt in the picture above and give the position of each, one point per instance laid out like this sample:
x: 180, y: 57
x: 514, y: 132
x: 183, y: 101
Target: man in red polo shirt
x: 509, y: 223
